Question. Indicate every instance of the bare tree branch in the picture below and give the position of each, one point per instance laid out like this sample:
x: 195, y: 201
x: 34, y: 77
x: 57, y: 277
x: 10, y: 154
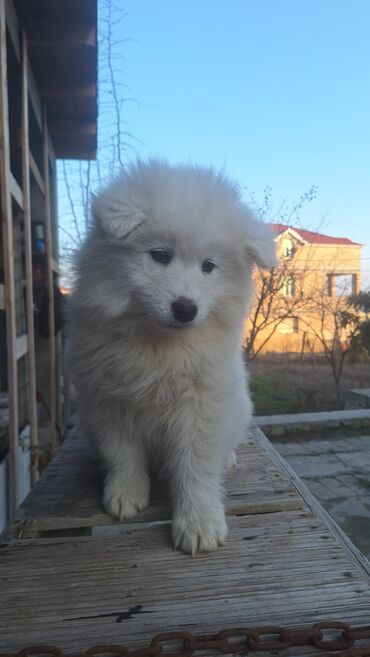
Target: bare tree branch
x: 72, y: 205
x: 81, y: 179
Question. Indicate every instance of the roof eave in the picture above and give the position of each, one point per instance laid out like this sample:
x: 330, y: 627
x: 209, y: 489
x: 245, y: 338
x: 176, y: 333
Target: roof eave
x: 62, y: 45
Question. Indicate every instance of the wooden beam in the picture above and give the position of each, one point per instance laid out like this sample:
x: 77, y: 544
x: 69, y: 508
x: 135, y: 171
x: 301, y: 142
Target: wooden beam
x: 52, y: 173
x: 8, y: 248
x: 58, y: 377
x: 76, y: 154
x: 12, y: 25
x: 49, y: 257
x: 26, y: 166
x: 16, y: 191
x: 44, y: 34
x: 67, y: 151
x: 72, y: 128
x: 36, y: 173
x: 52, y: 156
x: 61, y: 88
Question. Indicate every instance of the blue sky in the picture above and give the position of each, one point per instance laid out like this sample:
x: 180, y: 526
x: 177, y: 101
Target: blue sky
x: 276, y: 91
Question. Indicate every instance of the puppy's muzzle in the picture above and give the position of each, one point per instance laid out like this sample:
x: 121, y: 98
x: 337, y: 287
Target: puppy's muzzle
x: 184, y: 310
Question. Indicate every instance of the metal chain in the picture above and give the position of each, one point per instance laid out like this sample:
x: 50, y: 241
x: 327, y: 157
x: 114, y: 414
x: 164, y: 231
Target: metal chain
x: 229, y: 641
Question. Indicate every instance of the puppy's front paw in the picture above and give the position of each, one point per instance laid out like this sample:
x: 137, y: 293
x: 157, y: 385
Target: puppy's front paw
x: 193, y: 532
x: 126, y: 497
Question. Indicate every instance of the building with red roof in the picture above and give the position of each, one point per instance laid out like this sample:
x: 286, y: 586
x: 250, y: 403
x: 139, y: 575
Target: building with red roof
x: 311, y: 237
x: 315, y: 271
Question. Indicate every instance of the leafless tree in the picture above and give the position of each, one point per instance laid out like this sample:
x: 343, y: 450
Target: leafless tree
x: 274, y: 304
x: 281, y: 293
x: 333, y: 321
x: 79, y: 180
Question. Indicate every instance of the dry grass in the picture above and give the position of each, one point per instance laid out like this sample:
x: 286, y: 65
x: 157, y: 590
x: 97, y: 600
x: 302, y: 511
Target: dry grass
x: 287, y: 384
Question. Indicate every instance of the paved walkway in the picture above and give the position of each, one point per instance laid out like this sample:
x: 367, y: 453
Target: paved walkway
x: 335, y: 466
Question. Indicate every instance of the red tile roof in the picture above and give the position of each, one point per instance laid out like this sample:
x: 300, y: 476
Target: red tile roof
x: 312, y: 237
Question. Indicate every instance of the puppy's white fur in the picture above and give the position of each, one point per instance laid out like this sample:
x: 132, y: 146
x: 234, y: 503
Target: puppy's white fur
x: 145, y: 385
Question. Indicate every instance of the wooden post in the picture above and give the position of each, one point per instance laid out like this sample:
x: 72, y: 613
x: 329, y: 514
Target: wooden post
x: 49, y: 261
x: 32, y: 402
x: 8, y: 246
x: 55, y: 267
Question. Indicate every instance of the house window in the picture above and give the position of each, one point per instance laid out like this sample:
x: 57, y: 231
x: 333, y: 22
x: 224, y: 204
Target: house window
x: 288, y: 325
x: 341, y: 285
x: 287, y: 248
x: 288, y: 286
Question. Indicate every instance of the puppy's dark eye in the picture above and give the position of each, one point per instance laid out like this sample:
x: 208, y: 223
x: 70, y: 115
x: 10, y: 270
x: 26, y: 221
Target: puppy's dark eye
x: 208, y: 266
x: 161, y: 255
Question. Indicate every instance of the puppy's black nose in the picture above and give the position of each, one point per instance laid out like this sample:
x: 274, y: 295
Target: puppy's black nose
x: 184, y: 310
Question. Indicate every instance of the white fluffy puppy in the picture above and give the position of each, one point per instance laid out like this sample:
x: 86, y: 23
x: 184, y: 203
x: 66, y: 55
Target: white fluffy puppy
x: 164, y: 281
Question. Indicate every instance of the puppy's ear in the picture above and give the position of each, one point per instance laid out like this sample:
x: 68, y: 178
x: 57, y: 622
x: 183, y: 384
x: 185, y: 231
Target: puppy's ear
x: 117, y: 218
x: 260, y: 246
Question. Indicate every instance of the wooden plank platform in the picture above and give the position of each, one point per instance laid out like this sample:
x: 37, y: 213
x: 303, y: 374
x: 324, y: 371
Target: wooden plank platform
x: 280, y: 566
x: 275, y: 569
x: 67, y: 499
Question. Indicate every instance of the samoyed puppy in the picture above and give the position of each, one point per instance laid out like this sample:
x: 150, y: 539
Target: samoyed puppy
x: 163, y: 285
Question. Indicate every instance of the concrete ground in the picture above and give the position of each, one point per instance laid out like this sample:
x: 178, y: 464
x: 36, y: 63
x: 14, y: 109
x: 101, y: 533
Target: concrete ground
x: 335, y: 466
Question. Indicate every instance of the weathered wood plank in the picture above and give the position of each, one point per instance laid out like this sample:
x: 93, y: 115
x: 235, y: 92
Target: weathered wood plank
x: 279, y: 568
x: 68, y: 495
x: 312, y: 503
